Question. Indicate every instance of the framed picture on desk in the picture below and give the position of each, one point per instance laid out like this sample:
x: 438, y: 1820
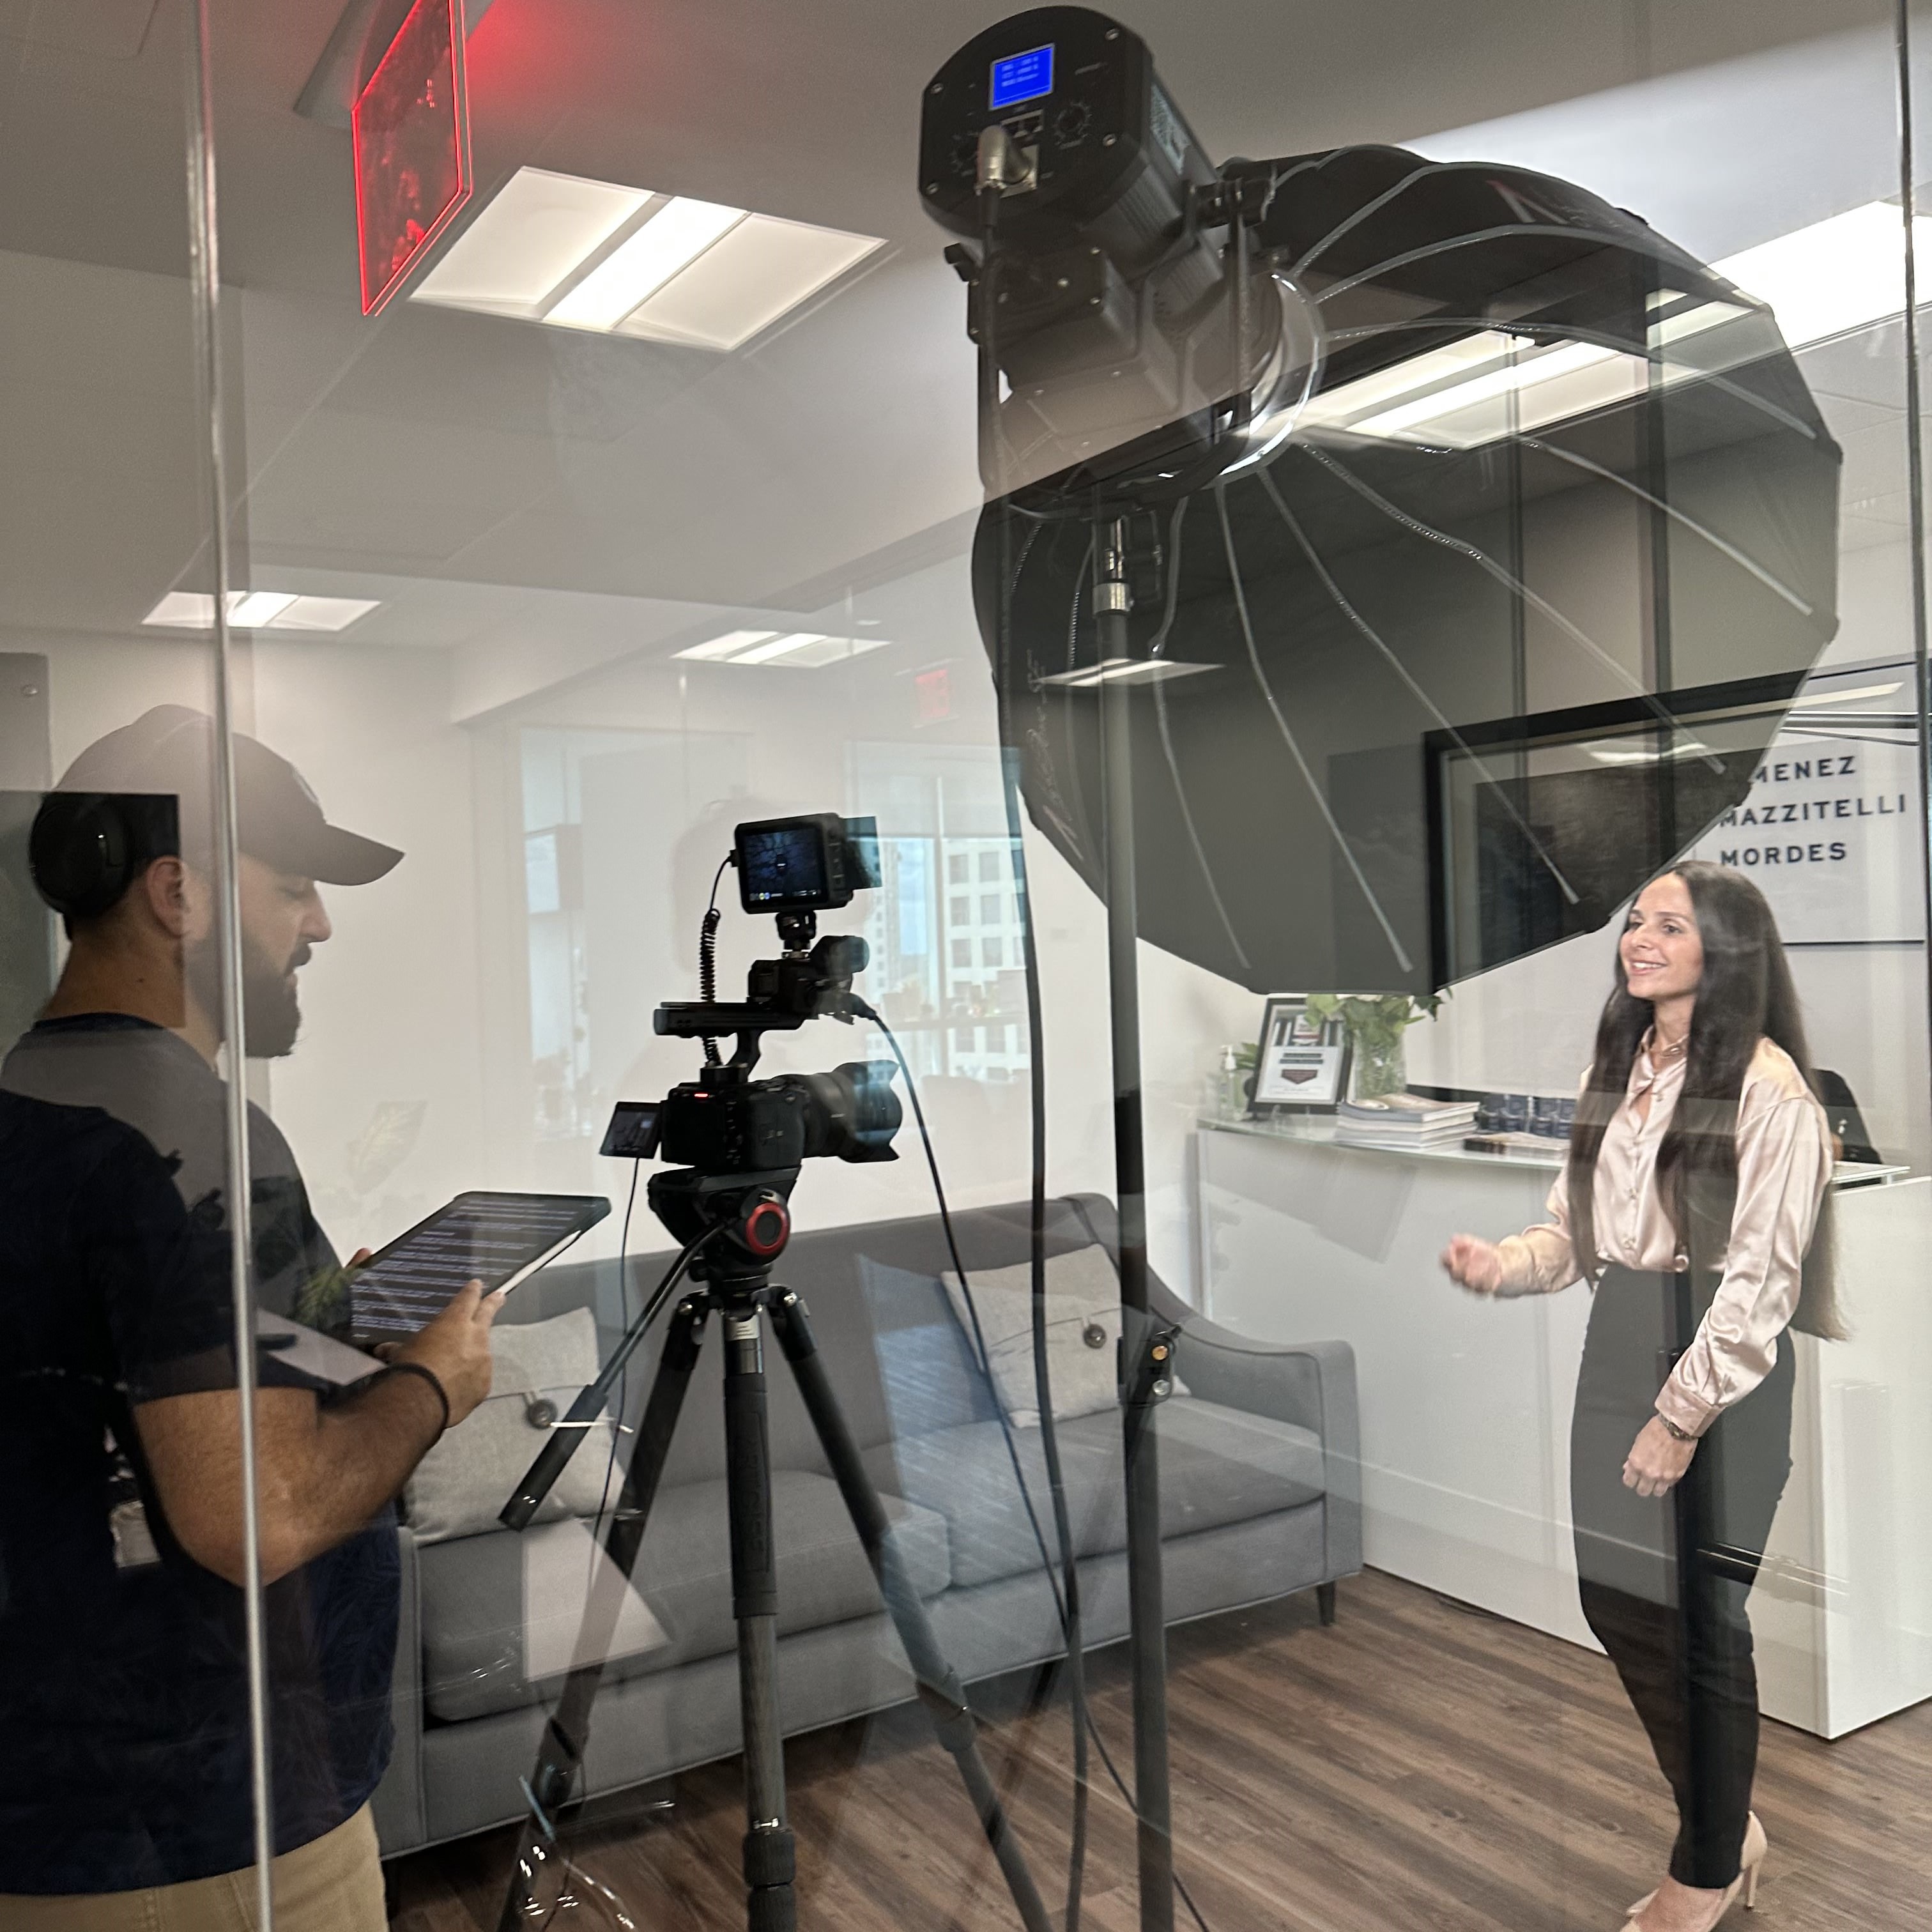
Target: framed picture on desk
x: 1301, y: 1063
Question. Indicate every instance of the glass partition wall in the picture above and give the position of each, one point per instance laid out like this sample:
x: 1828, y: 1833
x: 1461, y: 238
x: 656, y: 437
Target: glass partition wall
x: 603, y: 467
x: 155, y: 1692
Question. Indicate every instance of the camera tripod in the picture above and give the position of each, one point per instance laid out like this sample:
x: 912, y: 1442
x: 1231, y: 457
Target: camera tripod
x: 734, y: 1227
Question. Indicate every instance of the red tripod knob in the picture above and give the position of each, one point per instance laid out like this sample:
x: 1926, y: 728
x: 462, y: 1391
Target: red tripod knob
x: 767, y: 1227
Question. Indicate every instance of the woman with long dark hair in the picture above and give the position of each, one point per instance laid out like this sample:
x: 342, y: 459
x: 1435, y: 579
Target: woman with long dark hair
x: 1693, y: 1201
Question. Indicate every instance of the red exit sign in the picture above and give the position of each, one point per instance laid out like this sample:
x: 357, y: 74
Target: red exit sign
x: 411, y: 131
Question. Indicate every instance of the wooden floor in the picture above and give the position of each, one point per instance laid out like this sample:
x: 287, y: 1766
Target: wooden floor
x: 1418, y: 1765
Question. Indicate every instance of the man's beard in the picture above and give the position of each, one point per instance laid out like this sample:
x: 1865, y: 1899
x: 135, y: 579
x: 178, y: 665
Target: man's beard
x: 270, y: 1010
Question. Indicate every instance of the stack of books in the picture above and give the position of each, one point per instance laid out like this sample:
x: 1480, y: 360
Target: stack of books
x: 1402, y: 1120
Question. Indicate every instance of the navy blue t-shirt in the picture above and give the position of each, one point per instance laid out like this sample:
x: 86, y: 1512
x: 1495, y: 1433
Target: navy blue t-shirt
x: 124, y: 1693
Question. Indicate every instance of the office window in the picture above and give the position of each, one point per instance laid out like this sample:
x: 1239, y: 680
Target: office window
x: 960, y: 910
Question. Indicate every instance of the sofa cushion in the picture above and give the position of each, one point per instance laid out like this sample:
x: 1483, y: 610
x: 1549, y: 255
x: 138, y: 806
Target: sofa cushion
x: 468, y: 1475
x: 1217, y: 1466
x: 1083, y: 1333
x: 472, y: 1588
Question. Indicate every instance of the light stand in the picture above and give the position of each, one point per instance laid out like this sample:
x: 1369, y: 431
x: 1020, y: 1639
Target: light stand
x: 1147, y: 1618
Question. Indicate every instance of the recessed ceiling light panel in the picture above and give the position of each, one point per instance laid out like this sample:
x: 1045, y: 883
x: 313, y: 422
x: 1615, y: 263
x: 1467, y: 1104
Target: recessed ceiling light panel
x: 798, y: 650
x: 762, y: 269
x: 259, y: 610
x: 322, y: 613
x: 720, y: 650
x: 528, y: 242
x: 1836, y: 275
x: 673, y: 238
x: 597, y: 256
x: 254, y: 609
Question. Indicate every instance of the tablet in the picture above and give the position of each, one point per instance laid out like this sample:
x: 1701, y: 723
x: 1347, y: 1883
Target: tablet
x: 499, y: 1239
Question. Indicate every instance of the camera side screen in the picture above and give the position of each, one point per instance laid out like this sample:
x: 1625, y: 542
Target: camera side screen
x: 781, y: 867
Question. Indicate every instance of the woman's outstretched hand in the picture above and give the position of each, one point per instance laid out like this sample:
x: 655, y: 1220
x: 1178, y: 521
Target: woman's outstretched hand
x: 1657, y: 1460
x: 1477, y: 1265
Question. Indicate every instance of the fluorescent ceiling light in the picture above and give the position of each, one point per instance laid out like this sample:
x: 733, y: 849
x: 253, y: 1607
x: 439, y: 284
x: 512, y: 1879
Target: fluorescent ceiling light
x: 259, y: 610
x: 1836, y: 275
x: 1840, y: 274
x: 188, y: 609
x: 721, y: 649
x: 594, y: 255
x: 1125, y: 671
x: 1637, y: 754
x: 255, y: 609
x: 323, y: 614
x: 528, y: 242
x: 802, y: 650
x: 1494, y: 384
x: 670, y: 240
x: 1811, y: 700
x: 763, y: 269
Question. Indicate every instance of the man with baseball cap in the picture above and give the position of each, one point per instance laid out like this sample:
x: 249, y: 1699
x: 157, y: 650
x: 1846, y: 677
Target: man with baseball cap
x: 125, y: 1788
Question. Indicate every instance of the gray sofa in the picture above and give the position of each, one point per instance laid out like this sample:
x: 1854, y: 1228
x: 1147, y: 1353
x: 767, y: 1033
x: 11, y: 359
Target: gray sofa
x: 1258, y: 1484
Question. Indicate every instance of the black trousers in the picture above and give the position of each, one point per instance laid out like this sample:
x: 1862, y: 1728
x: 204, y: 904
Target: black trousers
x: 1664, y: 1580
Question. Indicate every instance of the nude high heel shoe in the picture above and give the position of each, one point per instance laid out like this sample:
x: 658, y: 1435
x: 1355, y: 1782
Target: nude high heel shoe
x: 1752, y: 1858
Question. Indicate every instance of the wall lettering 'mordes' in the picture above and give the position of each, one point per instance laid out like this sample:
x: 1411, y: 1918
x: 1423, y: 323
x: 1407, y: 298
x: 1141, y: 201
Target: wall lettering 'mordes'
x: 1828, y: 832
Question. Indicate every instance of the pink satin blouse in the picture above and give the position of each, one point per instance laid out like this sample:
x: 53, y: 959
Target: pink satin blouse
x: 1784, y: 1166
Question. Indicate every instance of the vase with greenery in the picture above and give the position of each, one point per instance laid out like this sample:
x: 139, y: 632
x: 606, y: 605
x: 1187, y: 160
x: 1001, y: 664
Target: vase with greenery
x: 1375, y: 1024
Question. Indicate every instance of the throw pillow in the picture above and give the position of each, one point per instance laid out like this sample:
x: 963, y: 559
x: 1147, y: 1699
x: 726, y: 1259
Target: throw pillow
x: 1083, y: 1333
x: 460, y: 1485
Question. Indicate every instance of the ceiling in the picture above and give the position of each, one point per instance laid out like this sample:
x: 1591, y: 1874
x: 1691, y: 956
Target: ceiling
x: 543, y: 501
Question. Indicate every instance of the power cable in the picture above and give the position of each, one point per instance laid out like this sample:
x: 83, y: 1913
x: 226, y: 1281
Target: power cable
x: 707, y: 955
x: 1085, y: 1725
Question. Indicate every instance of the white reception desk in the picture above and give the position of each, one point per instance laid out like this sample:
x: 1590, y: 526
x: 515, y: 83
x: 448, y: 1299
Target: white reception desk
x: 1466, y: 1404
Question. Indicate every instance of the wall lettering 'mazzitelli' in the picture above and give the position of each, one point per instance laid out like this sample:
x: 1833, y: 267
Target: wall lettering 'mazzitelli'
x: 1827, y: 833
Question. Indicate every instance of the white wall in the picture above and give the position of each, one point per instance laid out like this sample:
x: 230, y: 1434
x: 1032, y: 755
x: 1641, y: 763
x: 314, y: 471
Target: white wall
x: 391, y: 1004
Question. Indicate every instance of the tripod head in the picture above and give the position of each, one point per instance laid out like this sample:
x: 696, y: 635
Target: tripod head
x: 746, y: 1217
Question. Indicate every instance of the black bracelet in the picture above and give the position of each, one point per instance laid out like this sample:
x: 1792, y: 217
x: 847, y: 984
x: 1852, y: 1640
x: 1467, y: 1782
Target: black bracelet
x: 429, y: 1376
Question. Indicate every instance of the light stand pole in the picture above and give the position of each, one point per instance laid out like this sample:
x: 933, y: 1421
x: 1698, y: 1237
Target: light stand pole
x: 1147, y: 1639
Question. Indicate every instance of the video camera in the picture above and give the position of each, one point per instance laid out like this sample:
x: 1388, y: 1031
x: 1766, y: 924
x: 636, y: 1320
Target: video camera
x: 731, y: 1135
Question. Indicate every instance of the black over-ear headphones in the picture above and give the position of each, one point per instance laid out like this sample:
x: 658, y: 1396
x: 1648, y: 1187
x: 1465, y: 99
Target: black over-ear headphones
x: 87, y: 847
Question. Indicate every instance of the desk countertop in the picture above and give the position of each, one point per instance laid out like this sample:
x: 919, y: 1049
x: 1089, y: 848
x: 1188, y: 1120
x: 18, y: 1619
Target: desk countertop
x: 1318, y: 1130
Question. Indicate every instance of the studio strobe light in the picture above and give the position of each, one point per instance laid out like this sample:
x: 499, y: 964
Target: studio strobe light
x: 1288, y: 464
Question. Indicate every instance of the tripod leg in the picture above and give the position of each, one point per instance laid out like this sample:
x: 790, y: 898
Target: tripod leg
x: 769, y: 1862
x: 939, y: 1688
x: 561, y: 1753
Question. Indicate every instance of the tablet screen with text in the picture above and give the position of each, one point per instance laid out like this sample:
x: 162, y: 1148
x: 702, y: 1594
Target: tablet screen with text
x: 497, y: 1239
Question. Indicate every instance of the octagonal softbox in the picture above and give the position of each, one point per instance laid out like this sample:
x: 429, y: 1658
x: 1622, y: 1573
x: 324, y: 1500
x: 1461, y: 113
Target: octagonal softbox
x: 1502, y: 623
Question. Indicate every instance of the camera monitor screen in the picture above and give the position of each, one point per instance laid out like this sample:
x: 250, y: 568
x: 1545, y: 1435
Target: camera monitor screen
x: 499, y: 1239
x: 782, y: 864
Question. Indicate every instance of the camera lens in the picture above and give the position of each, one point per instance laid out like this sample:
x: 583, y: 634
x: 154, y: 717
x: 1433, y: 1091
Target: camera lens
x: 851, y: 1112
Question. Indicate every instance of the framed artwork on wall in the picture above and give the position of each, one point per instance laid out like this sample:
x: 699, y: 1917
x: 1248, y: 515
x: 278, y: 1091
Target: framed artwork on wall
x: 1301, y: 1063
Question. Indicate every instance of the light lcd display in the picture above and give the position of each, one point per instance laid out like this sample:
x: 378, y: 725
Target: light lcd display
x: 1023, y: 77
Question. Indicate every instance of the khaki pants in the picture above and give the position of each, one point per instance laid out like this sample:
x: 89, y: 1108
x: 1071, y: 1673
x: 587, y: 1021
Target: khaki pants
x: 333, y: 1884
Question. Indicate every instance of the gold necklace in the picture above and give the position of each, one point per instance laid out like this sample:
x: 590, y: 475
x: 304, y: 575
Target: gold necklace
x: 1670, y: 1052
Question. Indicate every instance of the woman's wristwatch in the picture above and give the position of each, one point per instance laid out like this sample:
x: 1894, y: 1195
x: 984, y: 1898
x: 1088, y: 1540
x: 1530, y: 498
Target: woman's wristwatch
x: 1682, y: 1435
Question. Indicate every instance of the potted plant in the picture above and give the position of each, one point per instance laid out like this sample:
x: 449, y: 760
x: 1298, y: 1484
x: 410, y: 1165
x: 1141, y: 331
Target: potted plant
x: 1376, y: 1023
